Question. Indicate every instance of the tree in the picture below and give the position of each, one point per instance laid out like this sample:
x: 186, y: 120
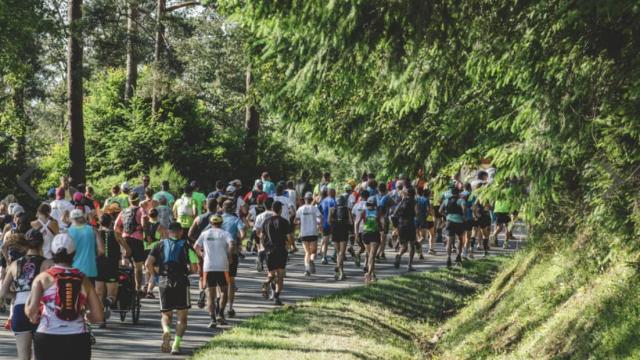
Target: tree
x: 251, y: 125
x: 132, y: 56
x: 75, y: 93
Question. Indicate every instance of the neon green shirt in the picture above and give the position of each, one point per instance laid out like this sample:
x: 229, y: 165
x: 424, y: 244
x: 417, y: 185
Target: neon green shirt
x: 200, y: 199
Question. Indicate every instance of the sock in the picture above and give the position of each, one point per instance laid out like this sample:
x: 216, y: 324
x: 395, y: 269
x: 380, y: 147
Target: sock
x: 177, y: 341
x: 166, y: 328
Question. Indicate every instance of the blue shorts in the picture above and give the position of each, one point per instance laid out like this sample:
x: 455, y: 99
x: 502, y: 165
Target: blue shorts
x: 19, y: 322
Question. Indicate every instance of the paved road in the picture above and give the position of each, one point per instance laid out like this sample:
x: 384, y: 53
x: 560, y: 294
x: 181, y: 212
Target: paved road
x: 142, y: 341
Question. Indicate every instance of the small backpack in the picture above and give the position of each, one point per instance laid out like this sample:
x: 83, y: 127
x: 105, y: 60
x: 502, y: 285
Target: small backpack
x: 129, y: 222
x: 370, y: 221
x: 185, y: 208
x: 164, y: 215
x: 453, y: 207
x: 342, y: 211
x: 172, y: 249
x: 69, y: 286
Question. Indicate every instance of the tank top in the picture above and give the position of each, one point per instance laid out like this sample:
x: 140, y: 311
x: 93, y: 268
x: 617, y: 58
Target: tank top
x: 28, y: 269
x: 48, y: 237
x: 50, y: 323
x: 85, y: 259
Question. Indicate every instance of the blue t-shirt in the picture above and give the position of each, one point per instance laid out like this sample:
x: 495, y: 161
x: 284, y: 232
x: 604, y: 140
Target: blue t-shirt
x: 470, y: 199
x: 324, y: 207
x: 85, y: 258
x: 232, y: 224
x: 382, y: 202
x: 268, y: 187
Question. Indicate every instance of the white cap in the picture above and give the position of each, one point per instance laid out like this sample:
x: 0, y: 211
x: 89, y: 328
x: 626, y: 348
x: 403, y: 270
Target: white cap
x: 76, y: 214
x: 125, y: 186
x: 231, y: 188
x: 63, y: 241
x: 308, y: 195
x: 15, y: 209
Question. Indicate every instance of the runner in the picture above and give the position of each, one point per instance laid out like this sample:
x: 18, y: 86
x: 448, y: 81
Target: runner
x: 60, y: 210
x: 17, y: 285
x: 454, y: 208
x: 327, y: 203
x: 165, y: 213
x: 431, y: 221
x: 165, y: 192
x: 148, y: 203
x: 235, y: 227
x: 501, y: 211
x: 357, y: 211
x: 341, y: 222
x: 66, y: 186
x: 116, y: 198
x: 215, y: 246
x: 107, y: 264
x: 309, y: 218
x: 275, y: 230
x: 140, y: 189
x: 153, y: 233
x: 482, y: 220
x: 87, y: 245
x: 185, y: 209
x: 218, y: 192
x: 171, y: 261
x: 422, y: 217
x: 369, y: 224
x: 130, y: 224
x: 257, y: 228
x: 47, y: 226
x: 406, y: 214
x: 303, y: 186
x: 198, y: 197
x: 323, y: 185
x: 288, y: 212
x: 384, y: 203
x: 469, y: 222
x: 268, y: 185
x: 58, y: 302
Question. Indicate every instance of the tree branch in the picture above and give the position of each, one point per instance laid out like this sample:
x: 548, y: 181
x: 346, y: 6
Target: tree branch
x: 181, y: 5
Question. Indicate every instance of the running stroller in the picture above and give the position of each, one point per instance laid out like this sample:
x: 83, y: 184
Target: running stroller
x: 128, y: 298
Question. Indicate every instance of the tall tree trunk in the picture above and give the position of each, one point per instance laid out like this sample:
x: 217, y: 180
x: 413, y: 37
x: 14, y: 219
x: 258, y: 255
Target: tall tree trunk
x: 20, y: 151
x: 251, y: 126
x: 132, y: 56
x: 74, y: 93
x: 160, y: 11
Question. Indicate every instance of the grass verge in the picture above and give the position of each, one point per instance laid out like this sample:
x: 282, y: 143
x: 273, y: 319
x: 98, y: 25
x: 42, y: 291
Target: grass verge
x: 387, y: 320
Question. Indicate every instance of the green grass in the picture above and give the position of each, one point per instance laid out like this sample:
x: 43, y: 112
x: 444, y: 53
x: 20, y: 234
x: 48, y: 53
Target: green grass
x: 387, y: 320
x: 547, y: 307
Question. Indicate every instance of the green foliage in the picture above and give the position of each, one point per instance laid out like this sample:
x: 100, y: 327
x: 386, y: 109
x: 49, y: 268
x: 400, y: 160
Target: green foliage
x: 51, y: 167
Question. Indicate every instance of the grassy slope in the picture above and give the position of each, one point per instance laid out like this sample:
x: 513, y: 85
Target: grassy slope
x: 387, y: 320
x: 544, y: 307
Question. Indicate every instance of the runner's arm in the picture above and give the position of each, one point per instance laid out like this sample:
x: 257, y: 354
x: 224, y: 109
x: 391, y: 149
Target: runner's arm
x: 150, y: 264
x: 192, y: 230
x: 123, y: 244
x: 99, y: 242
x: 32, y: 308
x: 5, y: 288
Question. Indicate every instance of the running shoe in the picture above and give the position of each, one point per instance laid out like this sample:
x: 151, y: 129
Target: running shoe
x: 107, y: 309
x: 166, y: 342
x: 396, y: 264
x: 220, y: 320
x: 312, y: 267
x: 175, y: 351
x: 265, y: 290
x: 505, y: 245
x: 231, y: 313
x: 351, y: 252
x: 213, y: 324
x: 432, y: 252
x: 202, y: 299
x: 458, y: 259
x: 307, y: 273
x: 259, y: 266
x: 325, y: 261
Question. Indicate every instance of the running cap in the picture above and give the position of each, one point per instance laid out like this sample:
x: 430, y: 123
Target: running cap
x: 76, y: 214
x: 77, y: 196
x: 308, y: 195
x: 63, y: 242
x: 15, y: 209
x: 125, y: 186
x: 216, y: 219
x: 51, y: 192
x: 231, y: 189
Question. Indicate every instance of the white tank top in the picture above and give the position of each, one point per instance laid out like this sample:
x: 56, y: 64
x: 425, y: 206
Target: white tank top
x: 50, y: 323
x: 48, y: 237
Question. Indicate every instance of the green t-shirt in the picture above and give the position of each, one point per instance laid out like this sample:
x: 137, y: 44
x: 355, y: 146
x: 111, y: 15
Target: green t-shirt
x: 167, y: 195
x: 156, y: 238
x: 200, y: 199
x: 183, y: 208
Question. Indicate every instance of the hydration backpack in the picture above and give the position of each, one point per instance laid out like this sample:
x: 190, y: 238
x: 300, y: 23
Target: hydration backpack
x: 69, y: 286
x: 342, y: 211
x: 453, y: 207
x: 129, y: 221
x: 185, y: 208
x: 370, y: 221
x: 172, y: 249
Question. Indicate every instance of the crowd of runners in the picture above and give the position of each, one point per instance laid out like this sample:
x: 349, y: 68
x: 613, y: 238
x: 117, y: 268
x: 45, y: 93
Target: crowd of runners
x: 62, y: 271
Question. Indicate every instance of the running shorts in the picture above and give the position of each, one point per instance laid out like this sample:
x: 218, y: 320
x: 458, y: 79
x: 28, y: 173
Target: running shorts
x: 369, y: 238
x: 56, y: 347
x: 454, y: 228
x: 277, y: 260
x: 484, y: 221
x: 468, y: 225
x: 503, y: 218
x: 310, y: 238
x: 340, y: 233
x: 137, y: 249
x: 107, y: 269
x: 174, y: 294
x: 20, y: 324
x: 216, y: 278
x: 407, y: 234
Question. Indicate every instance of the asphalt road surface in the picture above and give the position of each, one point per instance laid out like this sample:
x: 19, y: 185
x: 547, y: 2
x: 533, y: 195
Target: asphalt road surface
x: 124, y: 340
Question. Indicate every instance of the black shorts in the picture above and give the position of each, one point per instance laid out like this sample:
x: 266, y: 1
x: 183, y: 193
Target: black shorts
x: 484, y: 221
x: 502, y: 218
x: 277, y: 260
x: 340, y: 233
x: 216, y: 278
x: 310, y: 238
x: 107, y: 269
x: 468, y: 225
x: 137, y: 249
x: 55, y: 347
x: 174, y: 295
x: 407, y: 234
x: 429, y: 225
x: 454, y: 228
x: 233, y: 265
x: 369, y: 238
